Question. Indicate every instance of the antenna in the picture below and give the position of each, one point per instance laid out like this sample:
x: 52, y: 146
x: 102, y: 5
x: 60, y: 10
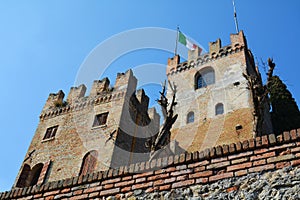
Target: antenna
x: 235, y: 18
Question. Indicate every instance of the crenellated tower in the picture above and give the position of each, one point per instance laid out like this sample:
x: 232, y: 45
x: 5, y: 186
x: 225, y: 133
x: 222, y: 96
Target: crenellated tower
x: 82, y: 134
x: 216, y: 103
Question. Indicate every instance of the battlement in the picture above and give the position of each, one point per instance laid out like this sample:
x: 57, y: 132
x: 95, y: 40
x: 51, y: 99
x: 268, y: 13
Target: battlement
x: 101, y: 92
x: 216, y: 51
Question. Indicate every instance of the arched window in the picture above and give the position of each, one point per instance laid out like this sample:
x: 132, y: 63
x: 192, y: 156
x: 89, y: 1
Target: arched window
x: 89, y: 163
x: 204, y: 77
x: 23, y: 178
x: 190, y: 117
x: 35, y: 173
x: 219, y: 109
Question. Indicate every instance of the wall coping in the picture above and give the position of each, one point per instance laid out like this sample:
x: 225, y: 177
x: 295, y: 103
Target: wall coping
x: 275, y: 151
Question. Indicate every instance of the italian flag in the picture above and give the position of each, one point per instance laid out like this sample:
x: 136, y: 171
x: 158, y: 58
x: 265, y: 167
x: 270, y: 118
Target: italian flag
x: 183, y: 40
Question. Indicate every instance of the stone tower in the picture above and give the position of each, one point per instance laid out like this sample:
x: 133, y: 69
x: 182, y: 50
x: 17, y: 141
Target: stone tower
x: 82, y: 134
x: 217, y: 104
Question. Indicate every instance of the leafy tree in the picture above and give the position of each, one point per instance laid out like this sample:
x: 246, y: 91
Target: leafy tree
x: 285, y: 112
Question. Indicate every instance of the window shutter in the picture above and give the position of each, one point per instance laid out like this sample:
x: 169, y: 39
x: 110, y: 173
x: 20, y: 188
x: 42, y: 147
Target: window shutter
x: 44, y: 172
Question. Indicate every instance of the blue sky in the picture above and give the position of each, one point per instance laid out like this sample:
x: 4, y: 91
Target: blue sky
x: 44, y: 43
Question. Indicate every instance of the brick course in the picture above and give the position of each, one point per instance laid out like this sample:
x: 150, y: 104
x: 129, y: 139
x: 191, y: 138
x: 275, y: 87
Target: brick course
x: 193, y: 171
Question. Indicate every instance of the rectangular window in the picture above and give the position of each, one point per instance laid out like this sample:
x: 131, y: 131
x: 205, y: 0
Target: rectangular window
x: 100, y: 119
x: 50, y: 132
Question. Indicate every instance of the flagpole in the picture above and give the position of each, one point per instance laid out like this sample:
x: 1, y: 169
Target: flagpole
x: 176, y: 44
x: 235, y: 18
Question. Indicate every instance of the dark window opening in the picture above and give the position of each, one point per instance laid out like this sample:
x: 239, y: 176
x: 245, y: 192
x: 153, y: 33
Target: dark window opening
x: 50, y: 132
x: 100, y: 119
x: 204, y: 78
x: 219, y: 109
x: 23, y: 178
x: 238, y: 127
x: 35, y: 173
x: 190, y: 117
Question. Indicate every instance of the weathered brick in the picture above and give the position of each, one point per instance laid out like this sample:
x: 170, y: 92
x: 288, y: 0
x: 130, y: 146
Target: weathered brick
x: 241, y: 172
x: 108, y: 186
x: 139, y: 180
x: 293, y: 134
x: 177, y: 173
x: 171, y: 169
x: 180, y: 167
x: 126, y: 189
x: 164, y: 187
x: 272, y: 139
x: 124, y: 183
x: 201, y: 163
x: 239, y: 166
x: 201, y: 180
x: 145, y: 174
x: 83, y: 196
x: 238, y: 146
x: 245, y: 145
x: 258, y: 142
x: 142, y: 185
x: 170, y: 180
x: 295, y: 162
x: 220, y: 176
x: 199, y: 169
x: 182, y: 177
x: 286, y: 136
x: 260, y: 151
x: 94, y: 194
x: 212, y: 152
x: 201, y: 174
x: 225, y: 149
x: 126, y: 178
x: 295, y: 150
x: 215, y: 160
x: 218, y: 165
x: 264, y: 140
x: 158, y: 182
x: 243, y: 154
x: 109, y: 192
x: 232, y: 148
x: 259, y: 162
x: 261, y: 168
x: 77, y: 192
x: 159, y: 176
x: 282, y: 164
x: 240, y: 160
x: 251, y: 143
x: 280, y: 158
x: 183, y: 183
x: 262, y: 156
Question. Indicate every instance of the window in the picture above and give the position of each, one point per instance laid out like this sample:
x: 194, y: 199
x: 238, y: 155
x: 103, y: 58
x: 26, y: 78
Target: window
x: 23, y: 178
x: 89, y: 163
x: 204, y: 78
x: 190, y: 117
x: 35, y: 173
x: 100, y: 119
x: 50, y: 132
x: 219, y: 109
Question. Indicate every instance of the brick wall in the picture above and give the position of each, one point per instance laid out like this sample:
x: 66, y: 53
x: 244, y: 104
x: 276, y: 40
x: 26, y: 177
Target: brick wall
x: 266, y: 153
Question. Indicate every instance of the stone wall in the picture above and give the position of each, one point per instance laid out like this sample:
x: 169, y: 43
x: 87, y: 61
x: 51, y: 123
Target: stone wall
x: 185, y: 173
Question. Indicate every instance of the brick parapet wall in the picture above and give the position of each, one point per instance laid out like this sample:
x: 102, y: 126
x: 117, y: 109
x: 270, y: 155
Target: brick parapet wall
x: 264, y: 153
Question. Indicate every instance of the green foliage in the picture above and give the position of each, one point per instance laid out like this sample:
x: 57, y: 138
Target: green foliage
x: 285, y: 112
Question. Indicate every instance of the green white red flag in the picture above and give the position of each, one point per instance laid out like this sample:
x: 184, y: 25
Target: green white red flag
x: 183, y: 40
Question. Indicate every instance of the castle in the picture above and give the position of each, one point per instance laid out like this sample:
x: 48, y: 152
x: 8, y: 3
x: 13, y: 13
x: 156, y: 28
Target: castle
x: 216, y: 105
